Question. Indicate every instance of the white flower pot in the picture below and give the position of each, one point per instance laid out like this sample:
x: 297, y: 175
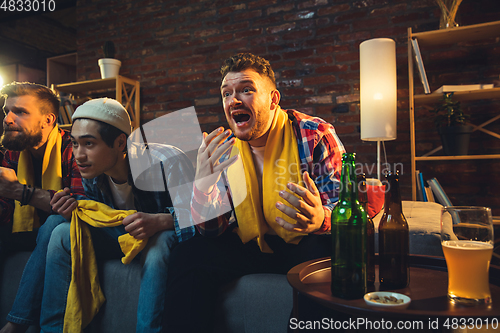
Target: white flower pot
x: 109, y: 67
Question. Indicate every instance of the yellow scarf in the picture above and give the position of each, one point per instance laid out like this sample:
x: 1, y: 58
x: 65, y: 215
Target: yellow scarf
x: 25, y: 218
x: 85, y: 296
x: 281, y: 165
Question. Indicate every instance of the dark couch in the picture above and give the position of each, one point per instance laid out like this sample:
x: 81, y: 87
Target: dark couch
x: 243, y: 306
x: 254, y: 303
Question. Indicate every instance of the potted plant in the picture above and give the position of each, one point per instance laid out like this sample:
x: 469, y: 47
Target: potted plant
x: 452, y: 128
x: 108, y: 65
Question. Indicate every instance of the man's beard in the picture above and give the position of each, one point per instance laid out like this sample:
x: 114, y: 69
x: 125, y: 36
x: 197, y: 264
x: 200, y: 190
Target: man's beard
x: 21, y: 141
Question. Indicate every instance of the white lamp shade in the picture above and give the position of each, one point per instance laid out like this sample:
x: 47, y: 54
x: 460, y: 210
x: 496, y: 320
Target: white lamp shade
x: 378, y: 89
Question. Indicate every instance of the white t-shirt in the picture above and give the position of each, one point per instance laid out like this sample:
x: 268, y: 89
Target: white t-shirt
x: 258, y: 161
x: 122, y: 195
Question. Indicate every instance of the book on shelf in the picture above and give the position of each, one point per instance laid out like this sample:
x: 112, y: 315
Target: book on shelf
x: 430, y: 196
x: 422, y: 186
x: 462, y: 87
x: 424, y: 191
x: 66, y: 110
x: 63, y: 116
x: 438, y: 192
x: 420, y: 196
x: 420, y: 65
x: 69, y: 110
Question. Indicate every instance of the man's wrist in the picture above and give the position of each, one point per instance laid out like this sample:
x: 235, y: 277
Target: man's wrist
x: 205, y: 196
x: 27, y: 195
x: 326, y: 225
x: 200, y: 189
x: 17, y: 191
x: 167, y: 221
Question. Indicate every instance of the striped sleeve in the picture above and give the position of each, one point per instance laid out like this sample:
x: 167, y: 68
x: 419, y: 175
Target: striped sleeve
x: 205, y: 205
x: 321, y: 150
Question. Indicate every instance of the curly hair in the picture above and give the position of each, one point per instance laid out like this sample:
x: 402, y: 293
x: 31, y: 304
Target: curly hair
x: 242, y: 61
x: 49, y: 103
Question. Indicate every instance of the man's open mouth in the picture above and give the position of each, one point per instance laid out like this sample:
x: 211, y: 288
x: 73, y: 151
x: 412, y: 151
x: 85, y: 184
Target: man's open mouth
x: 240, y: 117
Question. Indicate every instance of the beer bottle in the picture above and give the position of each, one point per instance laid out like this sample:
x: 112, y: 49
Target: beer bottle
x: 394, y: 243
x: 370, y: 232
x: 348, y: 237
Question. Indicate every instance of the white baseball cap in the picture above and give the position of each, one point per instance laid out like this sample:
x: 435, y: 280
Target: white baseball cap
x: 107, y: 110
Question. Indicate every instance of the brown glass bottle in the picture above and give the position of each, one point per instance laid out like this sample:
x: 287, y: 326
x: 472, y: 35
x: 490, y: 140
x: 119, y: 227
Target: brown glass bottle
x: 394, y: 243
x: 370, y: 231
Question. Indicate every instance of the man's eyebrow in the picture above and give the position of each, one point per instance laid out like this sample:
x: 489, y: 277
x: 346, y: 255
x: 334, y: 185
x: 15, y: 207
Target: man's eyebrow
x: 239, y: 82
x: 86, y: 136
x: 15, y: 109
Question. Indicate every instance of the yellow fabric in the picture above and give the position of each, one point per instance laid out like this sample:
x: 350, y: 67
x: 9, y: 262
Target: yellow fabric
x: 85, y: 296
x: 257, y: 212
x: 25, y: 218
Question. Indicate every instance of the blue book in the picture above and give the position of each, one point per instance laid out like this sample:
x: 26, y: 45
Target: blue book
x: 419, y: 188
x: 439, y: 193
x: 421, y: 180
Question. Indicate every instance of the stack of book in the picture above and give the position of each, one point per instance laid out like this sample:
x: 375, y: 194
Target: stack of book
x: 431, y: 191
x: 66, y: 110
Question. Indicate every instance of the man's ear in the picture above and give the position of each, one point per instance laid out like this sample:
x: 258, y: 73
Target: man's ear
x: 48, y: 120
x: 121, y: 142
x: 275, y: 99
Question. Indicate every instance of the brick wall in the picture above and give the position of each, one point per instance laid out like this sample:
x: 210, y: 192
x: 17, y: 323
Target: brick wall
x: 28, y: 41
x: 175, y: 49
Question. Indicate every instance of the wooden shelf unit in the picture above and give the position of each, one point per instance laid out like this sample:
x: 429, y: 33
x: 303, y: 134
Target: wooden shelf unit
x: 459, y: 96
x: 467, y: 33
x: 127, y: 92
x: 61, y: 69
x: 446, y: 37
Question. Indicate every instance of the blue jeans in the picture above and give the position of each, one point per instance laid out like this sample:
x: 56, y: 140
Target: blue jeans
x: 154, y: 257
x: 26, y: 307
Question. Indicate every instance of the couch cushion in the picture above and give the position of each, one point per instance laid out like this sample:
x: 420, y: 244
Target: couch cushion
x: 255, y: 303
x: 120, y: 284
x: 424, y: 221
x: 11, y: 270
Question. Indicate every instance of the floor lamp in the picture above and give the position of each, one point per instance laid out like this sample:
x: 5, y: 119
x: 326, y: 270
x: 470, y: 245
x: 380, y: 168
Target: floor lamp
x: 378, y: 91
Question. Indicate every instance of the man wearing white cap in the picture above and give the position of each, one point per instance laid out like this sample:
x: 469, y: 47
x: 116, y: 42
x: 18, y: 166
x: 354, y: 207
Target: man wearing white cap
x: 99, y: 135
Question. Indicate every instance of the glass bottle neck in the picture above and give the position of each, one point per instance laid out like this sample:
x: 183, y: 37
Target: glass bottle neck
x: 362, y: 194
x: 393, y: 196
x: 348, y: 182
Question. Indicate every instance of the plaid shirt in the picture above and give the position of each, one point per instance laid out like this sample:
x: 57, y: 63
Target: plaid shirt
x: 70, y: 177
x: 320, y: 152
x: 177, y: 169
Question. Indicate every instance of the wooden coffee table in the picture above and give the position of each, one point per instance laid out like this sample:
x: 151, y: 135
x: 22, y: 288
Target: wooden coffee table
x: 427, y: 289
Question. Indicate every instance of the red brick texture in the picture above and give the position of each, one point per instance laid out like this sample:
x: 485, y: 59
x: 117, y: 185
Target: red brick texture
x: 175, y: 48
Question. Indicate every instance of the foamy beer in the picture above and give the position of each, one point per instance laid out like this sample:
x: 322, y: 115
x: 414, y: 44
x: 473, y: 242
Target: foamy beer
x: 467, y: 240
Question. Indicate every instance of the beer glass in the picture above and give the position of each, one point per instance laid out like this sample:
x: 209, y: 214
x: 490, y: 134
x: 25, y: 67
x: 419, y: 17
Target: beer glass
x: 467, y: 241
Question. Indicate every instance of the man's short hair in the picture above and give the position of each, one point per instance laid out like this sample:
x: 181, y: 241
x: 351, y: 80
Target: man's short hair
x: 242, y: 61
x: 49, y: 103
x: 108, y: 132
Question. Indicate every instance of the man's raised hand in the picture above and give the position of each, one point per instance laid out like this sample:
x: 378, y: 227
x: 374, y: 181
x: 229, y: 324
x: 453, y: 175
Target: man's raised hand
x: 307, y: 210
x: 208, y: 166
